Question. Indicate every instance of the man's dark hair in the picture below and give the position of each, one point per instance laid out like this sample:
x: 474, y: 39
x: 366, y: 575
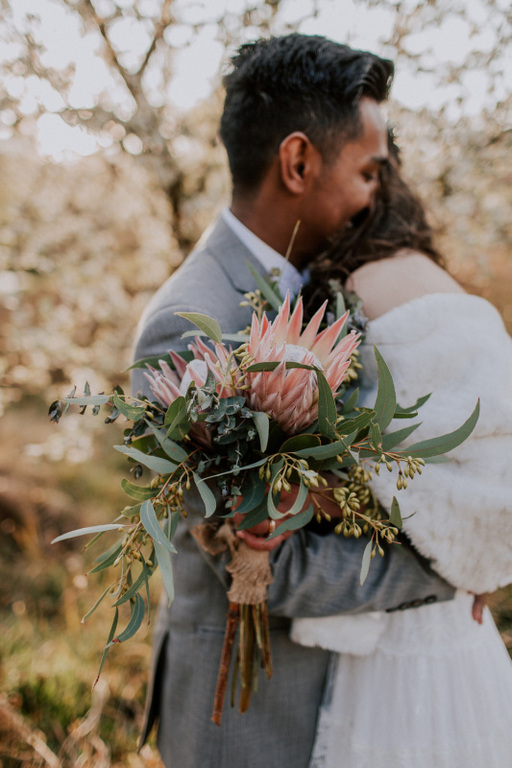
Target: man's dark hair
x: 295, y: 83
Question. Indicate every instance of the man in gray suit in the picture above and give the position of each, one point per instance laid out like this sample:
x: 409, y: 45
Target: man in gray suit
x: 305, y: 140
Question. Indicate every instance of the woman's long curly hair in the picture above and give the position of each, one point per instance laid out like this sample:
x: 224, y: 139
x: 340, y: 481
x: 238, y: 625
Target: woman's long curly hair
x: 397, y: 222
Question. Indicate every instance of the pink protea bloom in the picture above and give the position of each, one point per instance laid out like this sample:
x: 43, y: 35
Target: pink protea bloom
x: 291, y: 396
x: 167, y: 385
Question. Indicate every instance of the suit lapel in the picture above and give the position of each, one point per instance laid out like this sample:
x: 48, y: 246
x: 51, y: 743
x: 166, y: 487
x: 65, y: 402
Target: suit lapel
x: 232, y: 256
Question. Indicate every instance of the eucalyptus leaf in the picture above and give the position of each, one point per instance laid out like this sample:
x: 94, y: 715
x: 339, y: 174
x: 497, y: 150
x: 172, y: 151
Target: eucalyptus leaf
x: 395, y: 516
x: 326, y: 407
x: 173, y: 523
x: 147, y: 573
x: 437, y: 446
x: 154, y: 360
x: 131, y: 412
x: 273, y: 297
x: 135, y: 587
x: 176, y: 419
x: 261, y: 422
x: 294, y: 523
x: 139, y: 492
x: 107, y: 559
x: 240, y: 469
x: 365, y: 565
x: 340, y: 305
x: 351, y: 401
x: 137, y: 614
x: 356, y: 424
x: 161, y: 466
x: 205, y: 323
x: 385, y: 402
x: 150, y: 522
x: 271, y: 366
x: 110, y: 637
x: 299, y: 443
x: 412, y: 410
x: 322, y: 452
x: 88, y: 530
x: 164, y: 561
x: 174, y: 451
x: 254, y: 493
x: 131, y: 511
x: 96, y: 604
x: 256, y: 515
x: 237, y: 338
x: 391, y: 439
x: 209, y: 500
x: 375, y: 436
x: 296, y: 507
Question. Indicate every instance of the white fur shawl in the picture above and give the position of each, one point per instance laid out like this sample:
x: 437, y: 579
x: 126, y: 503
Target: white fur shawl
x: 455, y: 346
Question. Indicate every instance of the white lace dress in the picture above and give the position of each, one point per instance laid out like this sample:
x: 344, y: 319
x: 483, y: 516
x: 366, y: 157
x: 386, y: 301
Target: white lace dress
x: 428, y: 687
x: 435, y: 693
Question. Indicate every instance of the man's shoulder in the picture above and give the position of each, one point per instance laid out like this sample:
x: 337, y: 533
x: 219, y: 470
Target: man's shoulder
x: 211, y: 280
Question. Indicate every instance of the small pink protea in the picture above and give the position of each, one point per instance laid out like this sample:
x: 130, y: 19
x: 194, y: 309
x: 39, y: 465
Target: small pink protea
x: 166, y: 384
x: 291, y: 396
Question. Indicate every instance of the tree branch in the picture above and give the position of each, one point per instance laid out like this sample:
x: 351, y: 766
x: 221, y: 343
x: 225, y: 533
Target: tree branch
x: 166, y: 18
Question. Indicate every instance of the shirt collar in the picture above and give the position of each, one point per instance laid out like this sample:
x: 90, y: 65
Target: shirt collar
x: 290, y: 278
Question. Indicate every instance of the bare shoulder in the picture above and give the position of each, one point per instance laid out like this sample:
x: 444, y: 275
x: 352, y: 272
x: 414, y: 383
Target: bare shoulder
x: 388, y: 283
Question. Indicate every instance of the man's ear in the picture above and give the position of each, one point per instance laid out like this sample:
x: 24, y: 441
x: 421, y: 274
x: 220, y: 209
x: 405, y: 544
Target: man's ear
x: 299, y: 160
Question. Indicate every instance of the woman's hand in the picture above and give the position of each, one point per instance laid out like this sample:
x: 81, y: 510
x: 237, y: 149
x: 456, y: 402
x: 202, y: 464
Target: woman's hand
x: 479, y: 603
x: 256, y: 537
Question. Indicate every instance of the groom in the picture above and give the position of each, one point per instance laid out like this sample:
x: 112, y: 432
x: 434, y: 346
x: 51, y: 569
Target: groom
x: 305, y: 141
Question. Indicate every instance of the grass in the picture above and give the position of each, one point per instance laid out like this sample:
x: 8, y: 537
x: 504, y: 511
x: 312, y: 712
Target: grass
x: 49, y: 712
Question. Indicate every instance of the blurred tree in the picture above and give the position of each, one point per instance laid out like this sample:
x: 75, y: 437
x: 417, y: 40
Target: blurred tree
x: 136, y: 40
x: 83, y: 245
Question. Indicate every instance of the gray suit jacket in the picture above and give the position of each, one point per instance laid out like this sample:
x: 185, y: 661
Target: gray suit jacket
x: 314, y: 575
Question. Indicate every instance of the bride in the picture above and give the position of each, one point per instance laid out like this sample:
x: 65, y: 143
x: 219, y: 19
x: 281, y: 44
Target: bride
x: 430, y: 687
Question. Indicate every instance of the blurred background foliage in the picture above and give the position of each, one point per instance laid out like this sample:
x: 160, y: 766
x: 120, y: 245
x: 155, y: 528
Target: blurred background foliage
x: 85, y: 241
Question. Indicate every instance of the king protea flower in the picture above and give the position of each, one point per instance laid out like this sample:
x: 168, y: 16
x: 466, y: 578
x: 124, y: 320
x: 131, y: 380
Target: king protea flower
x: 291, y: 396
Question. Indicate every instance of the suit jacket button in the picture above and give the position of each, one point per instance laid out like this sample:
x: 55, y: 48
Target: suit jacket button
x: 430, y: 599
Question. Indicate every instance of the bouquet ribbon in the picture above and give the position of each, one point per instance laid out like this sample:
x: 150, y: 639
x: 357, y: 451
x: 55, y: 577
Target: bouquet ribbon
x: 251, y: 574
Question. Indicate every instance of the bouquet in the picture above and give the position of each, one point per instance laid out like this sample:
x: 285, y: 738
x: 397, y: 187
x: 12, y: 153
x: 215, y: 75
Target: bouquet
x: 274, y: 413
